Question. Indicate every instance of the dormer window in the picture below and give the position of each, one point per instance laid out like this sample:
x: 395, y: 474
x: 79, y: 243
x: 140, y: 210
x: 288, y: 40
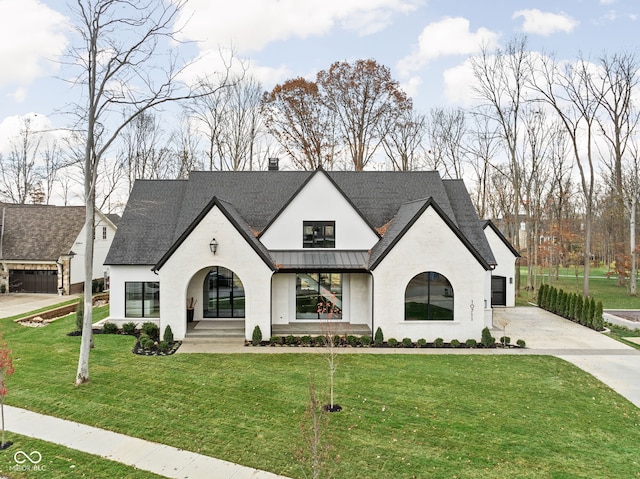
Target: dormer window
x: 319, y: 234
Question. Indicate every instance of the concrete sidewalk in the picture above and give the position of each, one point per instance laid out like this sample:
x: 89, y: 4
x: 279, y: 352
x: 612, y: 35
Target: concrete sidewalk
x: 145, y: 455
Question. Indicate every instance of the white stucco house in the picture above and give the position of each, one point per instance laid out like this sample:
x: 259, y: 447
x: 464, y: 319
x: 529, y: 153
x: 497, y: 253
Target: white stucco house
x: 290, y: 251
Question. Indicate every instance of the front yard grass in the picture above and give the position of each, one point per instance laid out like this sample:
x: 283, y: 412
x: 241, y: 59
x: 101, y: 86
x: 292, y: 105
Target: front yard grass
x: 404, y: 416
x: 59, y: 462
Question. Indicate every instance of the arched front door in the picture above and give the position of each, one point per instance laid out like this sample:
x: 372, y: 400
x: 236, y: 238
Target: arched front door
x: 223, y: 294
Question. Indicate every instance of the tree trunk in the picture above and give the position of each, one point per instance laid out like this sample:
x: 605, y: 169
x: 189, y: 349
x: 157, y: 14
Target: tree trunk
x: 82, y: 375
x: 633, y: 280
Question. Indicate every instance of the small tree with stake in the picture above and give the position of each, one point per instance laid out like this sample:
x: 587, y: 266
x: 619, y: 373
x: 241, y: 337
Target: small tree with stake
x: 6, y: 369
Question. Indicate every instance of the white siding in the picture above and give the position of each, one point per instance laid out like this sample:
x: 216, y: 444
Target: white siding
x: 100, y: 250
x: 430, y: 246
x: 319, y: 200
x: 119, y: 276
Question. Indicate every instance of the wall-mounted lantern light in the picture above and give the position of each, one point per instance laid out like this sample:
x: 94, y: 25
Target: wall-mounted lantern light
x: 213, y: 245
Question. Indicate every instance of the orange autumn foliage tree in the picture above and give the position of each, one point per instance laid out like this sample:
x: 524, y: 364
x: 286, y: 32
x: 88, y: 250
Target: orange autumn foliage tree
x: 6, y: 369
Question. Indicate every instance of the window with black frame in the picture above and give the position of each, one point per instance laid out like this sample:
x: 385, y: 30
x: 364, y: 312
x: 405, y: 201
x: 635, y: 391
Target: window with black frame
x: 223, y: 294
x: 142, y: 299
x: 319, y: 234
x: 318, y: 296
x: 428, y: 297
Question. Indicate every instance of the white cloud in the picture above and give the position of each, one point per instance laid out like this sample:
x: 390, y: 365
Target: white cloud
x: 450, y: 36
x: 251, y: 25
x: 19, y: 95
x: 11, y: 126
x: 607, y: 2
x: 32, y: 37
x: 545, y: 23
x: 458, y: 84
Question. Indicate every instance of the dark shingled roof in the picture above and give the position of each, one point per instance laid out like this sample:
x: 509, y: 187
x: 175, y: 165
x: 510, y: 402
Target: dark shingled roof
x: 160, y: 212
x: 39, y: 232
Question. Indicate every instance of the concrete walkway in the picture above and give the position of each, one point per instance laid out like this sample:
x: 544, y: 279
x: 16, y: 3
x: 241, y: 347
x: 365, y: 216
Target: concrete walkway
x: 145, y: 455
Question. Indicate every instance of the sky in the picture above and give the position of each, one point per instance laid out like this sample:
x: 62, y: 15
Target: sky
x: 426, y: 43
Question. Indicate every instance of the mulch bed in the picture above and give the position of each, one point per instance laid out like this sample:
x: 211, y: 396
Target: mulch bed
x: 173, y: 347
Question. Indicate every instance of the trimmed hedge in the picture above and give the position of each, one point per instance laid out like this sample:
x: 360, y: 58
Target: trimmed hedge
x: 572, y: 306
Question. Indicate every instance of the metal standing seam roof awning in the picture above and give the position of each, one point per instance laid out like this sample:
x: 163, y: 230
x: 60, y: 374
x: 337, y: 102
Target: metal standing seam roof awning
x: 320, y: 260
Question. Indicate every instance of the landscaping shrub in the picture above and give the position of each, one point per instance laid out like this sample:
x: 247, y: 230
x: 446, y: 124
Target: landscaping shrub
x: 521, y: 343
x: 306, y: 340
x: 337, y: 340
x: 540, y: 294
x: 129, y: 328
x: 407, y: 343
x: 553, y: 297
x: 598, y: 320
x: 471, y: 343
x: 110, y: 328
x: 592, y: 313
x: 577, y: 314
x: 150, y: 329
x: 163, y: 346
x: 378, y: 338
x: 146, y: 342
x: 256, y: 336
x: 586, y: 312
x: 438, y: 342
x: 291, y: 340
x: 275, y: 340
x: 167, y: 336
x: 392, y: 342
x: 352, y: 340
x: 505, y: 340
x: 455, y: 343
x: 320, y: 340
x: 487, y: 340
x: 421, y: 343
x: 365, y: 340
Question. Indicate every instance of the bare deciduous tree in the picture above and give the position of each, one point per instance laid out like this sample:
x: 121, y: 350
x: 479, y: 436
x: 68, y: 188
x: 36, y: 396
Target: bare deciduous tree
x: 18, y: 171
x: 123, y: 73
x: 403, y: 143
x: 447, y: 131
x: 297, y: 117
x: 362, y: 97
x: 501, y: 78
x: 568, y: 89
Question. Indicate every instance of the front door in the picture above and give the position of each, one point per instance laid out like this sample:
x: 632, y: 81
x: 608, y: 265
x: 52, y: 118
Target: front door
x: 498, y: 291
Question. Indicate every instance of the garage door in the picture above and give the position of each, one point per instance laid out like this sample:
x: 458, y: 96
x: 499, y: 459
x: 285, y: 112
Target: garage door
x: 498, y: 291
x: 33, y: 281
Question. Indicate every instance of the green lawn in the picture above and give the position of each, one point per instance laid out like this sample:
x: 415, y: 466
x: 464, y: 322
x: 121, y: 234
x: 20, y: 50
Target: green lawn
x: 60, y: 462
x: 600, y: 287
x: 404, y: 416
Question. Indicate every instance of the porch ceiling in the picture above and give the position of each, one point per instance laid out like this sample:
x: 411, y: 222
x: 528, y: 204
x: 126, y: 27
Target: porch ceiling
x: 319, y: 260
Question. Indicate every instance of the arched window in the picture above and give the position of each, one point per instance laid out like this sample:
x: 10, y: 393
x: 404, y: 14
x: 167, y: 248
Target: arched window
x: 223, y: 294
x: 428, y: 297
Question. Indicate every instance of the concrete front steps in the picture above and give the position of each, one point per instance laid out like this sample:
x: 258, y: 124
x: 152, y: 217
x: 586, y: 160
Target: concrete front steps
x: 216, y: 329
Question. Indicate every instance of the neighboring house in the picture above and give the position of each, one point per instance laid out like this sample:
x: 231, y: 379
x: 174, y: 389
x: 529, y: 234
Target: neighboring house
x: 42, y: 248
x: 503, y: 291
x: 285, y: 251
